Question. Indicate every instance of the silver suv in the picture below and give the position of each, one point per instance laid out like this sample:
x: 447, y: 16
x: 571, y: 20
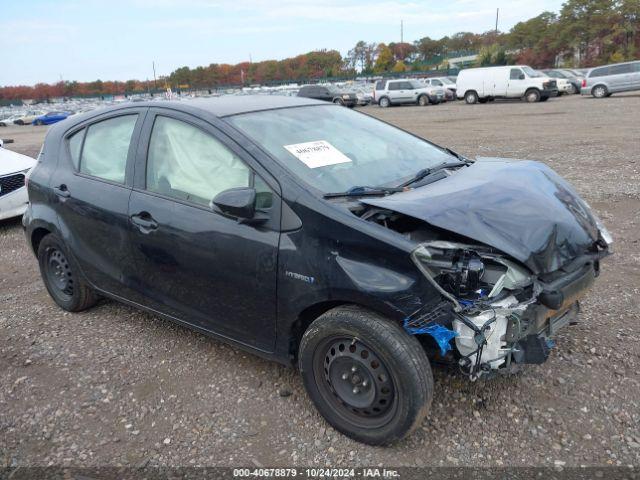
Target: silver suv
x: 397, y: 92
x: 620, y: 77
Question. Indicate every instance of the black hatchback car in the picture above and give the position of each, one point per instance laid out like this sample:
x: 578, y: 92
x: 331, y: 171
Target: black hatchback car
x: 260, y: 221
x: 329, y: 93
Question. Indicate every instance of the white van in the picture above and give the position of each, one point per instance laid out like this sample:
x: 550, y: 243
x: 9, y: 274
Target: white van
x: 514, y: 81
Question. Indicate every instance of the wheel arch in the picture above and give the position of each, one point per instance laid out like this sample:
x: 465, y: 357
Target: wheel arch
x: 36, y: 237
x: 307, y: 316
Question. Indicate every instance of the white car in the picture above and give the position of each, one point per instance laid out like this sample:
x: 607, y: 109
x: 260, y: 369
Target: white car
x: 514, y: 81
x: 13, y: 193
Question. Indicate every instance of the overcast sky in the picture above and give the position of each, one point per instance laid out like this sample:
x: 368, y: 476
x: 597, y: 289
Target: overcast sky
x: 43, y: 41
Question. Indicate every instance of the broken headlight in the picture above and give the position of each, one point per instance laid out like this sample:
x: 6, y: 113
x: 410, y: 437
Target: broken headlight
x: 465, y: 272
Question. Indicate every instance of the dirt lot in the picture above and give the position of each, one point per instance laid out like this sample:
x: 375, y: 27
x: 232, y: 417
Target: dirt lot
x: 113, y: 386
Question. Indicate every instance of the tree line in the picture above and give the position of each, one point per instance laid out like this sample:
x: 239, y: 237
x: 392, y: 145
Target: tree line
x: 584, y: 33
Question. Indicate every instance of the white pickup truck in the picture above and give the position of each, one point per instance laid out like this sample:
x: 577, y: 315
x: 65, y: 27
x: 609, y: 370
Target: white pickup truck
x: 513, y: 81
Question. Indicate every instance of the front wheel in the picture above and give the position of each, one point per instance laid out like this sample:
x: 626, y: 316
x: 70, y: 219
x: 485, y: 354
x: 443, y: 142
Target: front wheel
x: 532, y: 96
x: 62, y: 278
x: 384, y: 102
x: 338, y: 101
x: 369, y: 378
x: 423, y: 100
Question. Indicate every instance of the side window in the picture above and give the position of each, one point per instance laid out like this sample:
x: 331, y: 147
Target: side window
x: 186, y: 163
x: 394, y: 85
x: 515, y: 74
x: 620, y: 69
x: 379, y: 85
x: 106, y: 148
x: 437, y: 83
x: 75, y: 144
x: 636, y: 66
x: 406, y: 86
x: 599, y: 72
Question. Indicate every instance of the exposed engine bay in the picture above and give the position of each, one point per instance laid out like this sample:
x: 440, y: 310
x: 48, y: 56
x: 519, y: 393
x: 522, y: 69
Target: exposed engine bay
x: 494, y: 310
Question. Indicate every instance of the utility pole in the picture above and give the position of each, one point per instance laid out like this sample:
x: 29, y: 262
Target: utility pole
x: 155, y: 83
x: 497, y: 12
x: 401, y: 31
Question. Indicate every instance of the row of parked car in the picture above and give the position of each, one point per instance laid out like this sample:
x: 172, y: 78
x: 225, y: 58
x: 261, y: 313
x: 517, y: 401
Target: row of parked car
x: 34, y: 117
x: 481, y: 85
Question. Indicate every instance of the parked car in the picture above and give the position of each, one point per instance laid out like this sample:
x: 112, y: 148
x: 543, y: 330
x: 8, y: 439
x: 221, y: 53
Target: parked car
x: 443, y: 82
x: 516, y: 81
x: 564, y: 86
x: 619, y: 77
x: 567, y: 82
x: 405, y: 91
x: 364, y: 95
x: 318, y: 237
x: 50, y: 117
x: 13, y: 193
x: 28, y: 117
x: 5, y: 122
x: 329, y: 93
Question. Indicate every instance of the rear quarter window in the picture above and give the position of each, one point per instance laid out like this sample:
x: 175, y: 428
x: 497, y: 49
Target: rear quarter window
x: 379, y: 85
x: 620, y: 69
x: 75, y: 144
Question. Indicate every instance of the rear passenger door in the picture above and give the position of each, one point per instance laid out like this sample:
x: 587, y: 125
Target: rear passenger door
x: 92, y: 183
x: 194, y: 264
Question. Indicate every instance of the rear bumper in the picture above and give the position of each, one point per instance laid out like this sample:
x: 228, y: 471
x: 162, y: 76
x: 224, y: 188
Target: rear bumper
x: 13, y: 204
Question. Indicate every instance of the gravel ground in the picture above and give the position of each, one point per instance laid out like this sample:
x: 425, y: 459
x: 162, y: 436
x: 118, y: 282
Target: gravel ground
x: 114, y: 386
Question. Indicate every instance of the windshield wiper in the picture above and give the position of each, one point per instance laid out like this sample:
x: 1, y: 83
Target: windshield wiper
x: 425, y: 172
x: 457, y: 155
x: 361, y: 191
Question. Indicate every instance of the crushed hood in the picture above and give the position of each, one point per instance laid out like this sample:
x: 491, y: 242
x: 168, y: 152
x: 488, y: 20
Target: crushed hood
x: 521, y: 208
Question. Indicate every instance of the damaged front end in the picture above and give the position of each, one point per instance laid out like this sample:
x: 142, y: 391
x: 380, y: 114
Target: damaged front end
x: 509, y: 246
x: 497, y: 312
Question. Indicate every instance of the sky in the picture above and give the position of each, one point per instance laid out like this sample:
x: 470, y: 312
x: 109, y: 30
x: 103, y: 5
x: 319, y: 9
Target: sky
x: 85, y: 40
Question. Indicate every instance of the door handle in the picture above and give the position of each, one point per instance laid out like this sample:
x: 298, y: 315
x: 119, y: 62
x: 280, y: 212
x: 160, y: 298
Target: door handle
x: 62, y: 191
x: 144, y: 221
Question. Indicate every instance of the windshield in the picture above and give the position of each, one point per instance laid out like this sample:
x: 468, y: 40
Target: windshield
x: 531, y: 72
x: 446, y: 81
x: 349, y: 149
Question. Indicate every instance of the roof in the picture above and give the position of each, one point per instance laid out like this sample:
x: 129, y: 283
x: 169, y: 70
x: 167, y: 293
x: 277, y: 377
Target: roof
x: 217, y: 106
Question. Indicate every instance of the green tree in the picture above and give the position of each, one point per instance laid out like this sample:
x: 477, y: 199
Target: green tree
x: 384, y: 61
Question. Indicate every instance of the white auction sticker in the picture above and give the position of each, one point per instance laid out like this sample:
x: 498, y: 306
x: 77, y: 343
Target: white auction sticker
x: 317, y: 154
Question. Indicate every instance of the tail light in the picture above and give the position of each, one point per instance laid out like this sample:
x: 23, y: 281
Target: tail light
x: 584, y: 82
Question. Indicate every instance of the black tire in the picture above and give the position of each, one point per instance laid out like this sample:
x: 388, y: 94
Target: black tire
x: 483, y: 100
x: 471, y: 97
x: 338, y: 101
x: 61, y: 276
x: 544, y: 98
x: 600, y: 91
x: 19, y: 122
x: 368, y: 378
x: 38, y: 122
x: 384, y: 102
x: 532, y: 95
x: 423, y: 100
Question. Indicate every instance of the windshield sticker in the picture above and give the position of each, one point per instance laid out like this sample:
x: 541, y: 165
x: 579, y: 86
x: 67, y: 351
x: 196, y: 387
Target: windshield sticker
x: 317, y: 154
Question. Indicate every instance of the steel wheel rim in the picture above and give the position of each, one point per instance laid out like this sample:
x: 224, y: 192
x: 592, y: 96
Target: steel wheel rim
x: 355, y: 381
x: 532, y: 97
x: 58, y: 273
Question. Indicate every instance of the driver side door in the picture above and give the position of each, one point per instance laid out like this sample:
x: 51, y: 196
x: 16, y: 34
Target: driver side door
x: 194, y: 264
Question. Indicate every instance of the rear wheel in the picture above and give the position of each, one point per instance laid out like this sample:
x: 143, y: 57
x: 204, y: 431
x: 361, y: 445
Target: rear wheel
x: 384, y: 102
x: 544, y: 98
x: 423, y: 100
x: 574, y: 89
x: 62, y: 278
x: 600, y: 91
x: 369, y: 378
x: 471, y: 97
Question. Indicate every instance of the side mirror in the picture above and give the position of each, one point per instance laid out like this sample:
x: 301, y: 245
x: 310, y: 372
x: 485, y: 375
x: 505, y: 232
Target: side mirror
x: 521, y: 77
x: 236, y: 202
